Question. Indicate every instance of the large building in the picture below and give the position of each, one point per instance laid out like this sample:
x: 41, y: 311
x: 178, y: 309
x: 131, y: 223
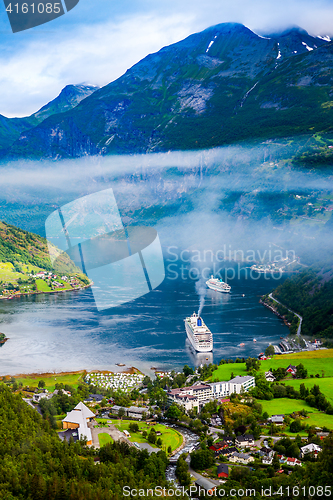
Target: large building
x: 191, y: 397
x: 198, y: 395
x: 236, y: 385
x: 79, y: 419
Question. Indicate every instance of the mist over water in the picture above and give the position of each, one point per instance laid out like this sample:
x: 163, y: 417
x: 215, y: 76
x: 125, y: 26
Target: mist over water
x: 205, y: 206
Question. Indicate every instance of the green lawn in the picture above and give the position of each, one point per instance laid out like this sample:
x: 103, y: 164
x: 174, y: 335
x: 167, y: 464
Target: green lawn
x: 325, y: 384
x: 314, y: 361
x: 224, y: 371
x: 73, y: 379
x: 314, y: 365
x: 170, y: 437
x: 104, y: 439
x: 42, y: 286
x: 287, y: 406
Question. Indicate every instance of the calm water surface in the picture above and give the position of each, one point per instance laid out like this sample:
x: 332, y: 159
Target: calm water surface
x: 65, y: 331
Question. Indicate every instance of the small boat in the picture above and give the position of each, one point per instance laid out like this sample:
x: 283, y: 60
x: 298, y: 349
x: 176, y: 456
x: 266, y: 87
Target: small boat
x: 241, y: 344
x: 254, y: 340
x: 243, y: 295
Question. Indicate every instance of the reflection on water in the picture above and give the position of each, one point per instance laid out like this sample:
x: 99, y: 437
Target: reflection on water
x: 198, y: 358
x: 66, y: 332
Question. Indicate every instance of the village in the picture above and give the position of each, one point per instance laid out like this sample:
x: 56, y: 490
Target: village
x: 41, y: 282
x: 213, y: 426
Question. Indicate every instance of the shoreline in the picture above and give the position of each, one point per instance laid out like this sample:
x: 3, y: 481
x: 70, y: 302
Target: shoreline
x: 130, y: 370
x: 39, y: 292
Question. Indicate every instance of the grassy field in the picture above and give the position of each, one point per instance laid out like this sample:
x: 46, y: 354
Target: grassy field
x: 104, y: 439
x: 286, y: 406
x: 42, y: 286
x: 8, y: 273
x: 224, y: 371
x: 326, y: 385
x: 314, y: 361
x: 170, y: 437
x: 73, y: 379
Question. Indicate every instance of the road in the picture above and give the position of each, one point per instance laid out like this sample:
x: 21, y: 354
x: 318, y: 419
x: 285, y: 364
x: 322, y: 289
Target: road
x: 290, y: 310
x: 35, y: 407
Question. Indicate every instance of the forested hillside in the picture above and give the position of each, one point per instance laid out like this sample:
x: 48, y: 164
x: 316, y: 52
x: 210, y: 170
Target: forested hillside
x: 37, y: 465
x: 21, y: 247
x: 310, y: 293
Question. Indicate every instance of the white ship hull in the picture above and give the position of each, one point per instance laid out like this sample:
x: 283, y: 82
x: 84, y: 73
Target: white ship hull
x: 217, y: 289
x: 218, y: 285
x: 195, y: 337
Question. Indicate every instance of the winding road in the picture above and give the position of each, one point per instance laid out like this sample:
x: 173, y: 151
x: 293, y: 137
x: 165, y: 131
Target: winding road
x: 290, y: 310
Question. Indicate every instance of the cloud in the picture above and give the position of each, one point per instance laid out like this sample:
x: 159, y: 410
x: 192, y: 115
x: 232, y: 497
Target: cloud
x: 35, y: 73
x: 96, y: 46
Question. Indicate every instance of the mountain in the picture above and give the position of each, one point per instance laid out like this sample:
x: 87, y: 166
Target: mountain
x: 219, y: 86
x: 19, y: 250
x: 310, y: 293
x: 69, y: 97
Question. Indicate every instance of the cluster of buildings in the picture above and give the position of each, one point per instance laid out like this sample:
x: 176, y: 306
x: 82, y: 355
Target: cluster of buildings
x: 45, y: 275
x: 124, y: 381
x: 45, y: 394
x: 235, y: 453
x: 197, y: 395
x: 291, y: 369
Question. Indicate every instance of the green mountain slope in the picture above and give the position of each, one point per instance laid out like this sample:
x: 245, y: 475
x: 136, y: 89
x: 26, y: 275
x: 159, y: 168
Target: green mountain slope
x: 23, y: 255
x: 219, y: 86
x: 310, y: 293
x: 69, y: 97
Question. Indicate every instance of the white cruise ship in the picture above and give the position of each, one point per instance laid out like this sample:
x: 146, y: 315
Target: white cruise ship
x: 218, y: 285
x: 198, y: 333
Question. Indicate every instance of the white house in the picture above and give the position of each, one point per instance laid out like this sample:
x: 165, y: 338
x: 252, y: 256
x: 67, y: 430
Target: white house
x: 245, y: 440
x: 294, y: 461
x: 269, y: 376
x: 277, y: 419
x: 241, y: 458
x: 310, y: 448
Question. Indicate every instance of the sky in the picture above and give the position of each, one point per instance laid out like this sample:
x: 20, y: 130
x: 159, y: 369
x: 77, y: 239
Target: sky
x: 98, y: 40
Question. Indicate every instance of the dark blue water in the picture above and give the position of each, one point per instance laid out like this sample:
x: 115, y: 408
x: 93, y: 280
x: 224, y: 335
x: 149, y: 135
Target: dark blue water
x: 65, y: 331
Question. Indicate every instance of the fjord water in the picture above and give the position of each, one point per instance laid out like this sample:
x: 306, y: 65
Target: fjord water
x: 65, y: 332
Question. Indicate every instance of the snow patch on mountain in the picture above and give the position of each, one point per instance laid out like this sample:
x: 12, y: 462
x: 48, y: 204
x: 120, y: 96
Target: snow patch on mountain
x: 279, y: 52
x: 209, y: 46
x: 306, y: 46
x: 325, y: 37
